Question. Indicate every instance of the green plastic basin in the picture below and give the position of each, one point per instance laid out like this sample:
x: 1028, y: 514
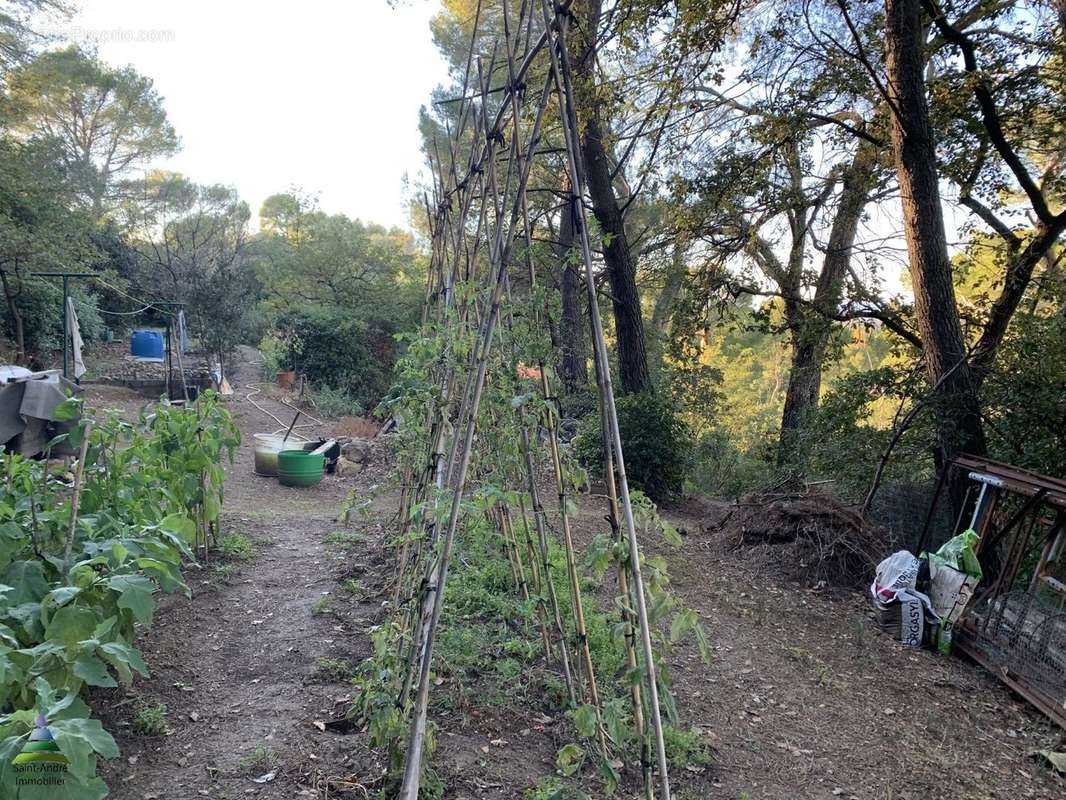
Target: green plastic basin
x: 300, y: 468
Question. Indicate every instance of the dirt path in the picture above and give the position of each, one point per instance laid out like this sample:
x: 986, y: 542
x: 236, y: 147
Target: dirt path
x: 803, y: 698
x: 244, y: 667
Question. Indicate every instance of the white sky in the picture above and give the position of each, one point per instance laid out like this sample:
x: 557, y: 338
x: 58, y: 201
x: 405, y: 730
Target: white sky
x: 266, y: 95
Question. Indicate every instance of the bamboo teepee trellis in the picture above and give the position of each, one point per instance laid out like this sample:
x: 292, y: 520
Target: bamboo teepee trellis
x: 479, y: 214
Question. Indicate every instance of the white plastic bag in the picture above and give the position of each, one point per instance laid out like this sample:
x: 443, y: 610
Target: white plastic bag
x: 894, y: 582
x: 895, y: 574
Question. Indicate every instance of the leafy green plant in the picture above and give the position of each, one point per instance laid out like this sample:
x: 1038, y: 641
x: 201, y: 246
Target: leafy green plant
x: 257, y: 759
x: 335, y: 402
x: 686, y: 748
x: 226, y: 571
x: 236, y: 547
x: 336, y: 670
x: 335, y: 350
x: 655, y: 439
x: 150, y: 719
x: 75, y: 588
x: 723, y: 469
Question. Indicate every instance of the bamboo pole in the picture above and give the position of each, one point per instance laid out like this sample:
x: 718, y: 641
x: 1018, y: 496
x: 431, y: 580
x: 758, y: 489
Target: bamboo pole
x: 561, y: 71
x: 76, y: 497
x: 542, y: 537
x: 416, y: 741
x: 624, y: 590
x: 551, y: 425
x: 509, y: 534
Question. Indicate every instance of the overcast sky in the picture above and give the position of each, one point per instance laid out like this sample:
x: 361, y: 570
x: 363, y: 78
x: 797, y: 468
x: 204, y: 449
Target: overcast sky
x: 320, y: 94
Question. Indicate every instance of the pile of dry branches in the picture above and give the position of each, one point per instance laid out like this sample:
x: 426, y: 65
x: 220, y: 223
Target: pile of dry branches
x: 810, y: 537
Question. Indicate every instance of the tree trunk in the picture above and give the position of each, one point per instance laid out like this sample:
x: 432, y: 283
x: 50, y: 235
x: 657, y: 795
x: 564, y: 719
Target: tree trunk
x: 813, y: 328
x: 573, y: 366
x: 621, y: 268
x: 664, y: 303
x: 16, y: 319
x: 958, y: 420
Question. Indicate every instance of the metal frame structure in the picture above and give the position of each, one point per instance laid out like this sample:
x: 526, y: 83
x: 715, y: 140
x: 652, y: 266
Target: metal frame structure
x: 66, y: 276
x: 1016, y: 624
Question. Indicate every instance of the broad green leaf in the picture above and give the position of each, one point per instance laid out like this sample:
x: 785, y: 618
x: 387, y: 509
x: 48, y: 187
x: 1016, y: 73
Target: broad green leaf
x: 569, y: 759
x: 70, y: 625
x: 61, y: 595
x: 610, y: 776
x: 136, y: 595
x: 27, y: 577
x: 93, y: 671
x: 682, y: 623
x: 67, y: 411
x: 10, y: 672
x: 124, y: 659
x: 181, y: 526
x: 104, y: 628
x: 12, y: 540
x: 78, y: 739
x: 670, y: 534
x: 585, y: 721
x: 9, y: 748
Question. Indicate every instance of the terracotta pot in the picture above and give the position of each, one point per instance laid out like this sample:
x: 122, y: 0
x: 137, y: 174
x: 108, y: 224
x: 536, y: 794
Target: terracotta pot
x: 287, y: 378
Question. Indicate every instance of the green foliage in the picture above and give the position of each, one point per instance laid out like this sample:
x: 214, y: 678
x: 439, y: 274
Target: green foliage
x: 336, y: 292
x: 40, y: 304
x: 38, y: 230
x: 146, y: 488
x: 109, y: 121
x: 655, y: 440
x: 336, y: 351
x: 686, y: 748
x: 192, y: 244
x: 579, y: 405
x: 236, y: 547
x: 720, y: 468
x: 336, y: 402
x: 1023, y: 399
x: 335, y: 670
x: 150, y: 719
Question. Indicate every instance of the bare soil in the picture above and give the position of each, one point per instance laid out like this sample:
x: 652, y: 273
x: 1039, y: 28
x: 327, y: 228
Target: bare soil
x: 803, y: 698
x: 240, y: 666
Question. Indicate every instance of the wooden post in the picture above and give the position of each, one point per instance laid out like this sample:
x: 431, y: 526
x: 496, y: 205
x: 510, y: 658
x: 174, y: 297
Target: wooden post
x: 76, y: 497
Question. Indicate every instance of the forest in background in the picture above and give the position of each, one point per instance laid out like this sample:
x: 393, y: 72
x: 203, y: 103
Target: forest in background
x: 81, y: 190
x: 828, y: 231
x: 775, y: 310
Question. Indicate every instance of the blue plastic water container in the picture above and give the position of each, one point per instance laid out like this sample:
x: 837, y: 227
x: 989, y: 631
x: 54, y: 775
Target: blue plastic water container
x: 146, y: 344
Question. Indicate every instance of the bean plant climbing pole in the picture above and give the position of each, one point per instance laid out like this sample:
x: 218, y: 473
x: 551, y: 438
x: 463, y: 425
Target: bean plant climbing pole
x: 481, y: 415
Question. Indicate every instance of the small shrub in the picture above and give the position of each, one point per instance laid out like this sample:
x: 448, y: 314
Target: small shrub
x: 335, y: 349
x: 720, y: 468
x: 226, y: 571
x: 336, y: 402
x: 336, y: 670
x: 321, y: 606
x: 258, y: 759
x: 656, y: 443
x: 150, y: 719
x: 686, y: 748
x: 236, y: 547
